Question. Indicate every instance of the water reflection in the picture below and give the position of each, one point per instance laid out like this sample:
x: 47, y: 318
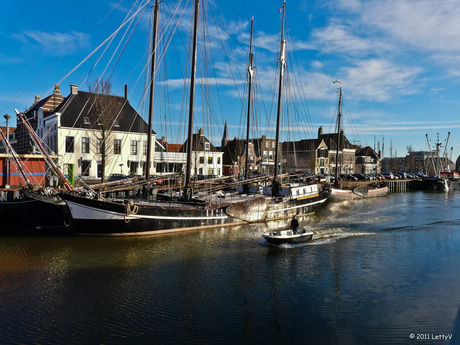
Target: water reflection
x: 376, y: 271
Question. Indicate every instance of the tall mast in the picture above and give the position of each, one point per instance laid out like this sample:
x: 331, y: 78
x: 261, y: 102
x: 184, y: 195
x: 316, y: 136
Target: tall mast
x: 250, y: 75
x: 152, y: 91
x: 339, y: 115
x: 443, y: 166
x: 188, y: 175
x: 431, y: 155
x: 280, y: 88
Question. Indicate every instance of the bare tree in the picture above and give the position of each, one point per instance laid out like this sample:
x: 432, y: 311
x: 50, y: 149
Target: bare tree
x: 105, y: 109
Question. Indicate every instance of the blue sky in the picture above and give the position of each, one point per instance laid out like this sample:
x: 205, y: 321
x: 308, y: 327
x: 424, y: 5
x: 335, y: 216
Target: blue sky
x: 398, y: 62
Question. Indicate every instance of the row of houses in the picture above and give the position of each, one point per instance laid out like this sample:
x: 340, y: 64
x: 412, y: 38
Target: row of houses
x: 313, y: 156
x: 93, y: 136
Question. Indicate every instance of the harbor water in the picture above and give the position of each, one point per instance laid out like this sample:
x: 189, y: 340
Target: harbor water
x: 379, y: 271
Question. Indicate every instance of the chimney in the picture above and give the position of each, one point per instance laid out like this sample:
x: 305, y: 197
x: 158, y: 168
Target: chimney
x: 201, y: 132
x: 37, y: 98
x: 73, y: 89
x: 320, y: 132
x: 126, y: 92
x: 57, y: 90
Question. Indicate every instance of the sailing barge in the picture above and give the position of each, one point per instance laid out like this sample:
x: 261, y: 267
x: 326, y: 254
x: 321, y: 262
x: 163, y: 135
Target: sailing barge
x: 103, y: 217
x: 93, y: 215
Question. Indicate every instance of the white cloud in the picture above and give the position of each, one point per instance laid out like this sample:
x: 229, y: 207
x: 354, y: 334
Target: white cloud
x: 180, y: 83
x: 316, y: 64
x: 427, y: 25
x: 379, y: 80
x: 338, y: 39
x: 395, y: 127
x: 52, y: 43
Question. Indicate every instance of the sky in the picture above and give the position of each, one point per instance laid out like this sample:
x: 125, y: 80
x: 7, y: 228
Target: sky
x: 397, y: 62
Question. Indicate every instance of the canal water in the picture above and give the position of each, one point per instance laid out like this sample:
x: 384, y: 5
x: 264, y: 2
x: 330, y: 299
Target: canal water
x: 381, y: 271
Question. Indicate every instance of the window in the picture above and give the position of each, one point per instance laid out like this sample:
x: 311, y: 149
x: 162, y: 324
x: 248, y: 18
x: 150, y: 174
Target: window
x: 218, y: 160
x: 117, y: 146
x: 249, y: 151
x: 322, y: 153
x: 69, y: 144
x: 133, y: 166
x: 210, y: 171
x: 267, y: 144
x: 86, y: 120
x: 207, y: 146
x: 84, y: 145
x: 133, y: 150
x: 210, y: 160
x: 273, y: 144
x: 144, y: 148
x: 201, y: 160
x: 85, y: 167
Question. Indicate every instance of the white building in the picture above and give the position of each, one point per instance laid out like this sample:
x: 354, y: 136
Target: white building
x: 70, y: 128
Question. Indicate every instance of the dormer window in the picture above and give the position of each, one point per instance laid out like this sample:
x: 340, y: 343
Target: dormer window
x: 86, y: 120
x: 207, y: 146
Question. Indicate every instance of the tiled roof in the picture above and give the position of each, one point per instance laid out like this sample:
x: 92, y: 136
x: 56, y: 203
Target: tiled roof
x: 77, y: 107
x: 174, y: 147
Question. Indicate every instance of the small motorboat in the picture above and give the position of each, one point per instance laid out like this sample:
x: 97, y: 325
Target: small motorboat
x: 288, y: 236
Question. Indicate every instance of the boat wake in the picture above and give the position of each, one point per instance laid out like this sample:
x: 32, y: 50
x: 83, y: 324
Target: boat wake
x: 320, y: 237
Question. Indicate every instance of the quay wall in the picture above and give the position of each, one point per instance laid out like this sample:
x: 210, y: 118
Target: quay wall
x: 395, y: 186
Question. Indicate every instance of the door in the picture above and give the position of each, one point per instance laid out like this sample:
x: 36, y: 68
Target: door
x: 85, y: 166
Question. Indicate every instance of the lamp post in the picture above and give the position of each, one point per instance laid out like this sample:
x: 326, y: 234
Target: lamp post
x: 7, y: 117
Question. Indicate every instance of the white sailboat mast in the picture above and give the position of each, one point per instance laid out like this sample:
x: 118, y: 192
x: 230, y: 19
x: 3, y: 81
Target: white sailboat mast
x: 152, y: 92
x: 280, y: 91
x: 188, y: 175
x: 250, y: 76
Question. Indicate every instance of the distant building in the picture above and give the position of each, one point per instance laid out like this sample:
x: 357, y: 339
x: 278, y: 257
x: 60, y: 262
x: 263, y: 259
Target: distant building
x: 367, y: 161
x: 265, y: 149
x: 308, y: 155
x: 419, y: 161
x: 206, y: 158
x: 168, y: 158
x: 225, y: 136
x: 234, y: 157
x: 457, y: 165
x: 346, y: 159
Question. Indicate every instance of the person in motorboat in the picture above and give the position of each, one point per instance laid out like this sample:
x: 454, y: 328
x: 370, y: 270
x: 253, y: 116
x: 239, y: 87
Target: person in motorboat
x: 294, y: 224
